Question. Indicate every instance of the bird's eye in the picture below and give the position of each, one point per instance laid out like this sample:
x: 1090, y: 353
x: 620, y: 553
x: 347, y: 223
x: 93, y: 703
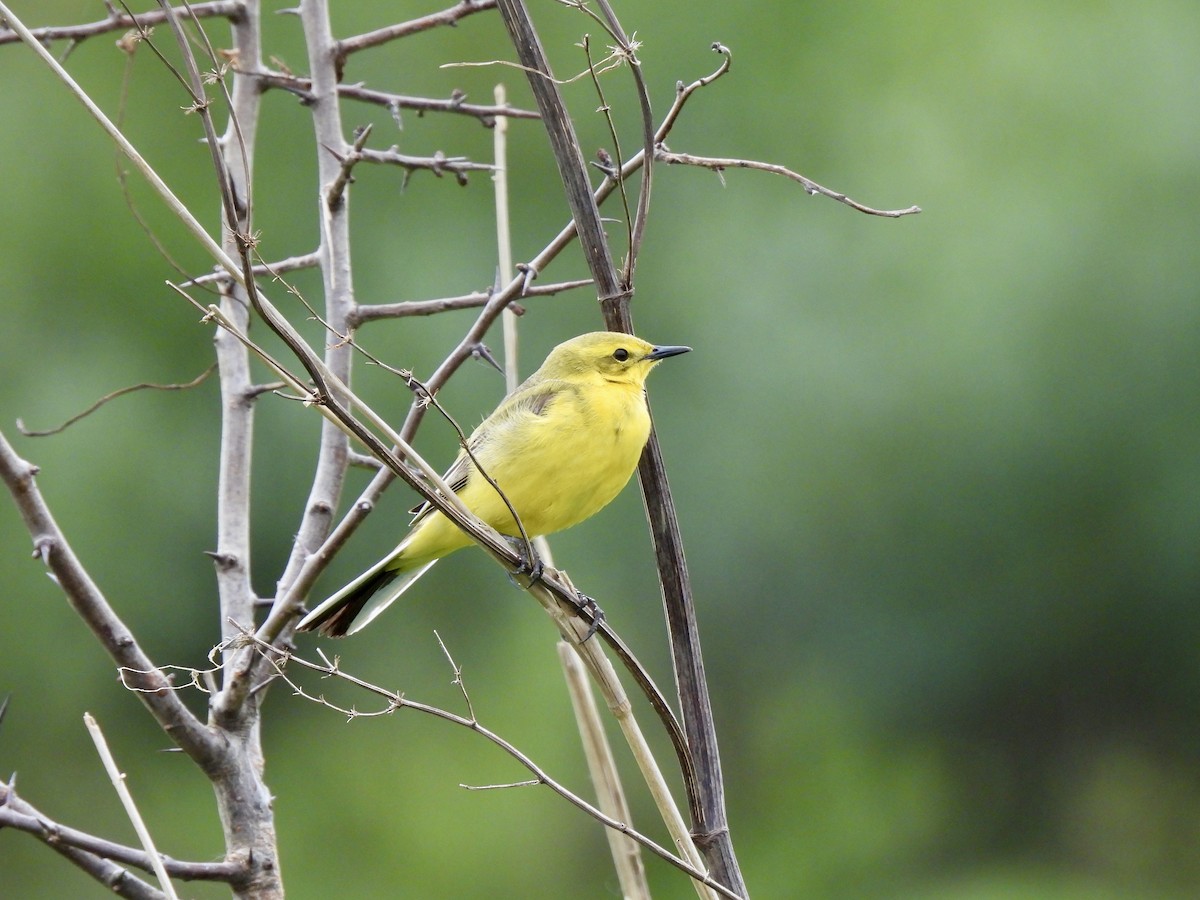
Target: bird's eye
x: 620, y: 354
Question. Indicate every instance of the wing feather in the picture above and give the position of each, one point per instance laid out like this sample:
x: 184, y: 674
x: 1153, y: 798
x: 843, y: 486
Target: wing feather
x: 533, y: 400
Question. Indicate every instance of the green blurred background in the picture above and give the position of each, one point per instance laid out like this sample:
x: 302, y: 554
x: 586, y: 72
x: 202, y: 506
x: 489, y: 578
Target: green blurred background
x: 938, y: 477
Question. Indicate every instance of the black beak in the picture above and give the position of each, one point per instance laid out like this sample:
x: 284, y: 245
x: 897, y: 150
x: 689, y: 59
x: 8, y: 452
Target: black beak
x: 664, y: 352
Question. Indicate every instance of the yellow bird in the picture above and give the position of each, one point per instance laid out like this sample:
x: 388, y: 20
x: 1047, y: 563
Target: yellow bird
x: 560, y: 447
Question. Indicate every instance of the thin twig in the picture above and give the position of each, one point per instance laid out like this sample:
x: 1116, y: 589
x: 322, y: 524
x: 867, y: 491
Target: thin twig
x: 439, y: 163
x: 565, y: 143
x: 614, y: 60
x: 120, y: 392
x: 370, y: 312
x: 139, y: 825
x: 532, y: 782
x: 606, y: 110
x: 458, y: 677
x: 274, y: 269
x: 684, y: 92
x: 449, y: 16
x: 719, y: 165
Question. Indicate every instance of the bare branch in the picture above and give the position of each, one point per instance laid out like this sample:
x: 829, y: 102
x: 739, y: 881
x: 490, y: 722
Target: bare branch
x: 449, y: 16
x: 50, y: 545
x: 337, y: 189
x: 15, y: 812
x: 611, y: 168
x: 458, y: 677
x: 274, y: 269
x: 465, y: 301
x: 719, y: 165
x: 364, y: 461
x: 531, y: 782
x: 455, y: 104
x: 684, y: 92
x: 439, y: 163
x: 116, y: 21
x: 120, y: 392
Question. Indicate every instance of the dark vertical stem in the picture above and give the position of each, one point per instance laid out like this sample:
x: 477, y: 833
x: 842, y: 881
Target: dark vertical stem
x: 710, y: 824
x: 567, y: 154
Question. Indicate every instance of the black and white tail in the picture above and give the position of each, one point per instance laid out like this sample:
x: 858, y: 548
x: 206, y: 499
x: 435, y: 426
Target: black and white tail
x: 354, y: 606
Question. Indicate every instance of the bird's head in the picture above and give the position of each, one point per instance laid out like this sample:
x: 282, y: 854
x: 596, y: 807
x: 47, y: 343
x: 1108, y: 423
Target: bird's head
x: 610, y: 355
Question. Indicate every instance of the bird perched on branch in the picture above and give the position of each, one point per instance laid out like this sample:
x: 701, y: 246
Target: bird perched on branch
x: 560, y: 447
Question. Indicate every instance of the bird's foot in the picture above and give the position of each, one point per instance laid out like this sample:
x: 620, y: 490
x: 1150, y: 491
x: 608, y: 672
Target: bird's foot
x: 589, y: 606
x: 531, y: 565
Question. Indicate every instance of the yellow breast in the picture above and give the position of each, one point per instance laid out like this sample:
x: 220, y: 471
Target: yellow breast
x: 567, y: 463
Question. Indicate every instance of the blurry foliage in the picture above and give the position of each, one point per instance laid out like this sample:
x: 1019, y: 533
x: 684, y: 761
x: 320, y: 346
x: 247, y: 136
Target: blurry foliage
x: 939, y: 477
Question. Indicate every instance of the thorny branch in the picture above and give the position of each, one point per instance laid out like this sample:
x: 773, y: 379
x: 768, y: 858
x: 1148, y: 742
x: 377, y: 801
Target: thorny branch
x: 439, y: 163
x: 279, y: 660
x: 368, y: 313
x: 719, y: 165
x: 455, y: 104
x: 273, y: 269
x: 449, y: 16
x: 116, y: 21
